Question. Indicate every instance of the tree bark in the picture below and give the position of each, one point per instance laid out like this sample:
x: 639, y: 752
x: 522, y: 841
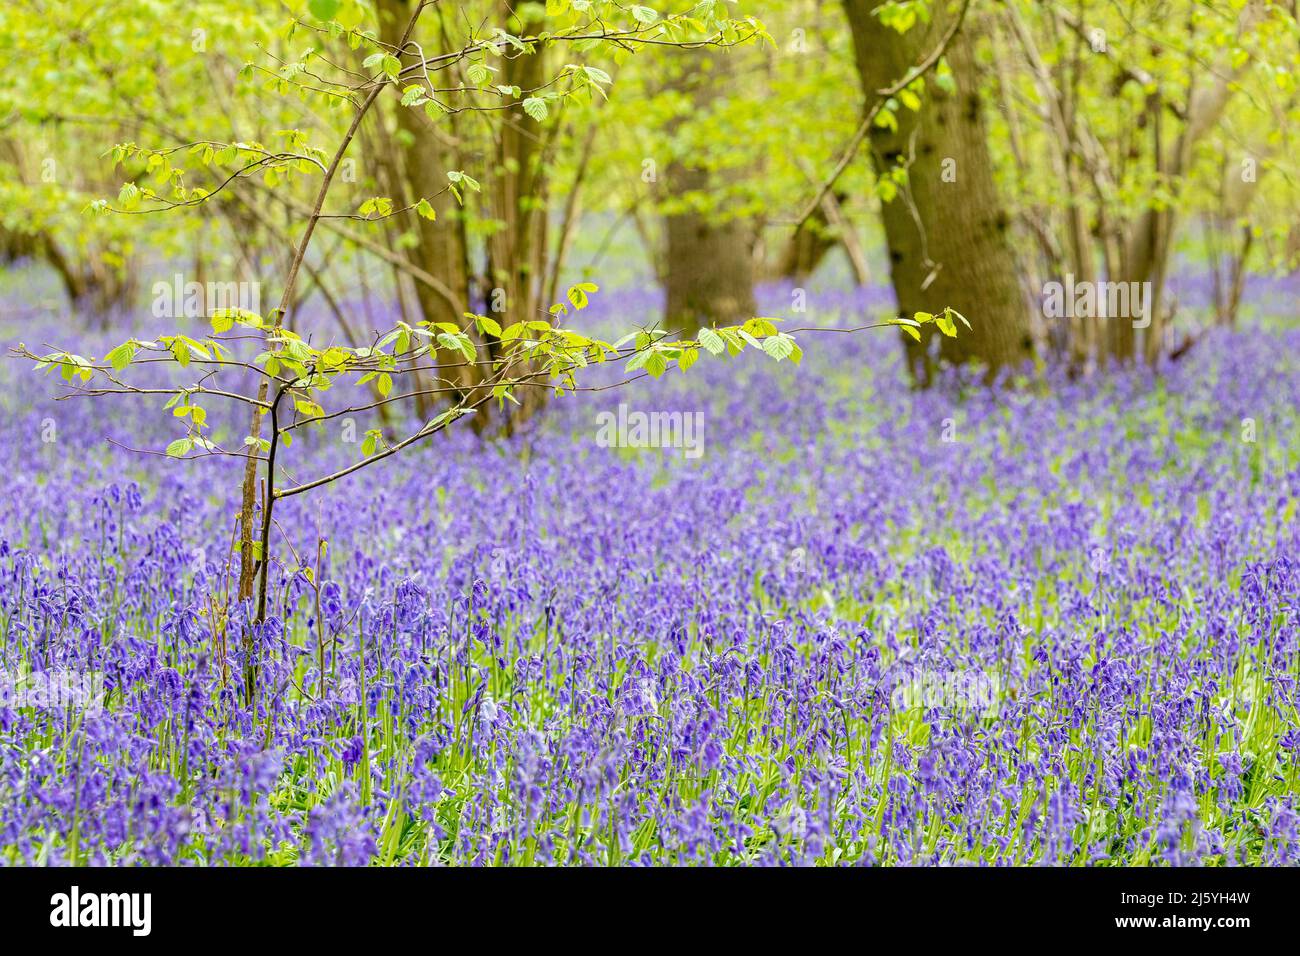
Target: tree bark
x: 948, y: 240
x: 518, y: 251
x: 419, y: 170
x: 709, y: 267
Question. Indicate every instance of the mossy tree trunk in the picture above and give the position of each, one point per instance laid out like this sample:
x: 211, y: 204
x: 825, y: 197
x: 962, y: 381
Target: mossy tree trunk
x: 947, y: 233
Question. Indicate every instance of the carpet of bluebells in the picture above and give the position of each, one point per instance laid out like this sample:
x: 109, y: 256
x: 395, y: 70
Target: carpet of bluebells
x: 1055, y: 622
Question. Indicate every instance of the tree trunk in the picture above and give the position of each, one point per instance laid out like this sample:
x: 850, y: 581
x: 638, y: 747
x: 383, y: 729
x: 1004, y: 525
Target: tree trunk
x: 419, y: 169
x: 710, y: 278
x: 518, y: 250
x: 946, y: 230
x: 93, y: 283
x: 709, y: 268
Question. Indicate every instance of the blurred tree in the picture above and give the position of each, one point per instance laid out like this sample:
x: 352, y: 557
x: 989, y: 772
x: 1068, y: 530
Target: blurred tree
x: 418, y: 168
x: 709, y: 252
x: 425, y: 151
x: 947, y: 232
x: 518, y: 246
x: 1147, y: 117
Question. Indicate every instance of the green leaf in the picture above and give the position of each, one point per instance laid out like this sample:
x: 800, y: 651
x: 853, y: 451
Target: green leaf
x: 380, y: 205
x: 780, y: 346
x: 121, y: 356
x: 944, y: 79
x: 324, y: 9
x: 578, y: 296
x: 644, y: 14
x: 180, y: 447
x: 457, y: 343
x: 459, y: 178
x: 535, y: 107
x: 735, y: 344
x: 712, y: 341
x: 761, y: 326
x: 502, y: 392
x: 385, y: 61
x: 446, y: 418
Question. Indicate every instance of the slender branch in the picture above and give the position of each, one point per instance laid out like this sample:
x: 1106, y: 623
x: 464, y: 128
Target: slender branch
x: 250, y: 473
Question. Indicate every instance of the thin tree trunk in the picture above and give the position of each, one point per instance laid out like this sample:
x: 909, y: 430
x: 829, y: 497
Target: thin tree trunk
x: 518, y: 250
x: 419, y: 164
